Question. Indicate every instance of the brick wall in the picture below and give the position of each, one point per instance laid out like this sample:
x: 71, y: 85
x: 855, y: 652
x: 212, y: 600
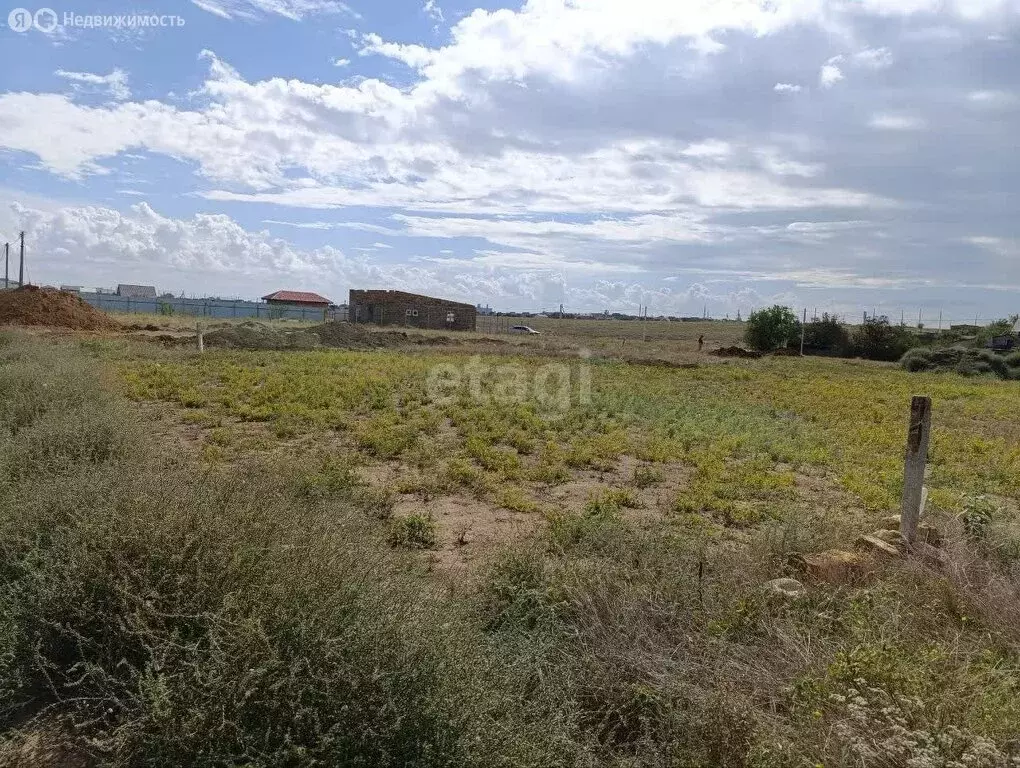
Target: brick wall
x: 410, y: 310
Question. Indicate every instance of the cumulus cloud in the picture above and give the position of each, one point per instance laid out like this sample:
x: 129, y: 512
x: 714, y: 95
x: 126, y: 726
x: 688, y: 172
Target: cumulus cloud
x: 255, y: 9
x: 873, y: 58
x: 92, y: 245
x: 829, y: 75
x: 626, y: 135
x: 432, y: 10
x: 115, y: 83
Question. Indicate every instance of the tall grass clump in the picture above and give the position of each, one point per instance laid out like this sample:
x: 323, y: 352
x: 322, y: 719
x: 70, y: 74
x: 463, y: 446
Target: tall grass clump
x: 966, y: 361
x: 667, y: 650
x: 152, y: 616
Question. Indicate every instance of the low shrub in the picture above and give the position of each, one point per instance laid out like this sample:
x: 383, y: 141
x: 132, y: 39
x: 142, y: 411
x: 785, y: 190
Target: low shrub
x: 413, y: 531
x: 878, y: 339
x: 827, y: 334
x: 966, y: 361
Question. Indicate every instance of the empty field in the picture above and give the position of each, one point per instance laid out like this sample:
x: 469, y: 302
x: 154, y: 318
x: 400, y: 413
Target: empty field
x: 426, y: 556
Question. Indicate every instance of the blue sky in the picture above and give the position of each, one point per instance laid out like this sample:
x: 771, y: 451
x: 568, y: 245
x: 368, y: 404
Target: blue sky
x: 844, y: 155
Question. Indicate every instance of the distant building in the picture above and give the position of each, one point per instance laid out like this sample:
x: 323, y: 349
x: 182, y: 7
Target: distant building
x: 71, y: 288
x: 298, y: 299
x: 485, y: 311
x: 136, y: 291
x: 410, y: 309
x: 1003, y: 343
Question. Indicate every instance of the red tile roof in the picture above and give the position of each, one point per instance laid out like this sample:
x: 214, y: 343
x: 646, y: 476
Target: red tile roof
x: 297, y: 297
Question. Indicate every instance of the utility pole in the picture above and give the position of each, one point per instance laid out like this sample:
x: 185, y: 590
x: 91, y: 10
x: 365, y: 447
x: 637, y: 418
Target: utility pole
x: 21, y: 268
x: 803, y: 330
x: 7, y: 265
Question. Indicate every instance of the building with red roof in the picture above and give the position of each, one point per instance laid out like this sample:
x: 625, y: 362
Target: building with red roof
x: 297, y: 299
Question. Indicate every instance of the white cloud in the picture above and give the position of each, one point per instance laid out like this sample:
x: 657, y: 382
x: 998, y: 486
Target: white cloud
x: 254, y: 9
x: 705, y: 45
x: 1007, y: 248
x: 993, y: 99
x: 772, y: 160
x: 873, y: 58
x: 114, y: 83
x: 712, y: 148
x: 432, y: 10
x: 829, y: 75
x: 91, y: 244
x: 415, y: 56
x: 340, y: 62
x: 596, y: 134
x: 896, y: 122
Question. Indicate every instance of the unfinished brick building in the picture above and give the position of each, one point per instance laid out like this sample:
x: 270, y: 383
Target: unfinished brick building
x: 410, y: 310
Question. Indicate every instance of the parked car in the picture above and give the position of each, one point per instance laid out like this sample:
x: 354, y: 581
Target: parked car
x: 524, y: 329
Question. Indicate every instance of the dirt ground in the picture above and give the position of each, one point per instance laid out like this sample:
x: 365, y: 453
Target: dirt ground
x: 34, y: 306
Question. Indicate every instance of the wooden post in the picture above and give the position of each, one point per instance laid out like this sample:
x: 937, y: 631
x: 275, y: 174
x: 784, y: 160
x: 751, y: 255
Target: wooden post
x: 918, y: 438
x: 201, y: 340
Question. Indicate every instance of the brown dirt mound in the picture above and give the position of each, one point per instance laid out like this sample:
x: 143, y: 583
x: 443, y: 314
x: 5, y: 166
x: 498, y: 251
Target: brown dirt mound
x: 350, y: 336
x: 32, y: 305
x: 735, y: 352
x: 254, y: 335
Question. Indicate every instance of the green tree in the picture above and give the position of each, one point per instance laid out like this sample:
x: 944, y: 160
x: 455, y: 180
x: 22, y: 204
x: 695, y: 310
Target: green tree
x: 878, y: 339
x: 828, y: 334
x: 772, y: 328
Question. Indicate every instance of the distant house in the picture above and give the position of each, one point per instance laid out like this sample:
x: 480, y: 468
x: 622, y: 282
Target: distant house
x: 410, y: 309
x: 136, y: 291
x: 71, y: 288
x: 297, y: 299
x: 1003, y: 343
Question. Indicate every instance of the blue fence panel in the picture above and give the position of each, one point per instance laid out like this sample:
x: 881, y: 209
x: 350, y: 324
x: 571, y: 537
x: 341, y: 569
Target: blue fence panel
x: 212, y: 308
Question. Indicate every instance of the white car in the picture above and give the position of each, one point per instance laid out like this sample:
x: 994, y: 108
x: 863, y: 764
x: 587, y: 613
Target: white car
x: 524, y: 329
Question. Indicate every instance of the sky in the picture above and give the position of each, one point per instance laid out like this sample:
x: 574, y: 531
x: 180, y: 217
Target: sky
x: 842, y: 156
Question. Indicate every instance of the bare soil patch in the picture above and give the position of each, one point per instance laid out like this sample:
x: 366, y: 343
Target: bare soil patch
x: 739, y: 352
x: 32, y: 305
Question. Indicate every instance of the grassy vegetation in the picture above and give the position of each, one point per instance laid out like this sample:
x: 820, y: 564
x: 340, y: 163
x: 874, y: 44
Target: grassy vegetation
x: 629, y: 339
x: 745, y: 429
x: 962, y: 360
x: 261, y: 603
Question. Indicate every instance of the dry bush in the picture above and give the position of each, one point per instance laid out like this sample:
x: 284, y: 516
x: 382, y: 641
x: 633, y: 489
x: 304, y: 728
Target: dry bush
x: 154, y: 616
x: 666, y: 651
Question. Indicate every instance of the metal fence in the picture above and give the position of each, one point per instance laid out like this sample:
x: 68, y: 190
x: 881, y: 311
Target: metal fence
x: 496, y: 323
x: 211, y: 308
